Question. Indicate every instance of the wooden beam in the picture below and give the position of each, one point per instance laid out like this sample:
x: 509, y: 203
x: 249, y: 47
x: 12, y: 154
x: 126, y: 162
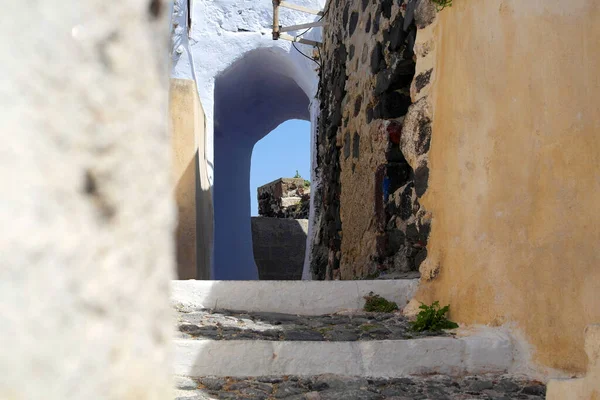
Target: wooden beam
x: 276, y: 19
x: 301, y: 26
x: 296, y: 39
x: 299, y: 8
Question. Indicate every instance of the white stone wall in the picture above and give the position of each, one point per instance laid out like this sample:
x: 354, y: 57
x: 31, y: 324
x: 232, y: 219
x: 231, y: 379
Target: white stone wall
x: 86, y: 213
x: 223, y: 31
x: 222, y: 34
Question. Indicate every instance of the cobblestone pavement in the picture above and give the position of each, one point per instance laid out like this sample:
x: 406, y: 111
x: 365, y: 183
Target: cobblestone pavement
x: 231, y: 325
x: 329, y: 387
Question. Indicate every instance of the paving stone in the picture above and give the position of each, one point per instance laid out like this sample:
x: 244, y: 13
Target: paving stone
x: 253, y: 393
x: 329, y: 387
x: 479, y: 386
x: 227, y: 396
x: 287, y: 389
x: 393, y: 391
x: 270, y: 379
x: 507, y: 386
x: 304, y: 335
x: 338, y: 382
x: 231, y: 325
x: 263, y: 387
x: 349, y: 394
x: 185, y: 383
x: 343, y: 336
x: 536, y: 390
x: 212, y: 383
x: 239, y: 385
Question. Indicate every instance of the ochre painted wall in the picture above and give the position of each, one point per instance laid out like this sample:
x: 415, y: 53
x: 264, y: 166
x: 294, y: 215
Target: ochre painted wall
x: 587, y: 387
x: 514, y: 188
x: 192, y: 190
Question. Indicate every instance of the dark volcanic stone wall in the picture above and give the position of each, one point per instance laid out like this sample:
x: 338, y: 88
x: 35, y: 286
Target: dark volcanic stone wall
x: 372, y: 142
x: 279, y: 245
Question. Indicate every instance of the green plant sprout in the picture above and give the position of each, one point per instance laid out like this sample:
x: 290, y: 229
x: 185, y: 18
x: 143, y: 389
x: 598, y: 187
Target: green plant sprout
x: 432, y: 318
x: 441, y: 4
x: 376, y: 303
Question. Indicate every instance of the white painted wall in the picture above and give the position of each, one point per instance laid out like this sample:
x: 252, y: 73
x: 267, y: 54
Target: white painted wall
x: 223, y: 32
x: 86, y: 214
x: 216, y: 42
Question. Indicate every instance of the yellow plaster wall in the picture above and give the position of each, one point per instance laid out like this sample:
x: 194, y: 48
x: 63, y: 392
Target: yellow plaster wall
x: 588, y: 387
x: 192, y: 189
x: 514, y: 188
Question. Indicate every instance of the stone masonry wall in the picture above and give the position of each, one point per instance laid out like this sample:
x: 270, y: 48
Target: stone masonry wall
x: 284, y: 198
x: 279, y: 246
x: 372, y: 141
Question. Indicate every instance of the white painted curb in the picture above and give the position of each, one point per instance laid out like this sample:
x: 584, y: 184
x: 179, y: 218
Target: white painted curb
x: 378, y: 359
x: 291, y: 297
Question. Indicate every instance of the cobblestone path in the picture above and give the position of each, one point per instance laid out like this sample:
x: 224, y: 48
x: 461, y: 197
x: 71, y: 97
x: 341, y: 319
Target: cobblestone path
x: 328, y: 387
x: 231, y: 325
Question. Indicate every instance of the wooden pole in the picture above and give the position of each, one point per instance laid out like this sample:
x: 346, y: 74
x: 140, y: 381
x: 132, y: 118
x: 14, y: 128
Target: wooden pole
x: 291, y: 38
x: 301, y: 26
x: 276, y: 19
x: 300, y: 8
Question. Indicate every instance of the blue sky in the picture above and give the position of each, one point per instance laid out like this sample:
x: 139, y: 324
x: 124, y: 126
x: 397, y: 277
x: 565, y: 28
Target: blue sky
x: 278, y: 155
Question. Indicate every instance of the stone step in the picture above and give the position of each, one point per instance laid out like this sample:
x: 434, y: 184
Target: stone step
x: 313, y: 328
x: 332, y: 387
x: 486, y: 352
x: 291, y: 297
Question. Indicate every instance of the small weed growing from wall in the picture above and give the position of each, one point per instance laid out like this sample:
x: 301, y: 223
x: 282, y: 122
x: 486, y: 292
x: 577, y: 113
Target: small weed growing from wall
x: 441, y: 4
x: 376, y: 303
x: 306, y: 183
x: 432, y: 318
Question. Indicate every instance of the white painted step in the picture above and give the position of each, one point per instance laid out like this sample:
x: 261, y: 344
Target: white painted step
x: 487, y: 351
x: 484, y: 350
x: 290, y: 297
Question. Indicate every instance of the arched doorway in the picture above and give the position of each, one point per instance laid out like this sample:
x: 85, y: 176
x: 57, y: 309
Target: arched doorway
x: 252, y: 97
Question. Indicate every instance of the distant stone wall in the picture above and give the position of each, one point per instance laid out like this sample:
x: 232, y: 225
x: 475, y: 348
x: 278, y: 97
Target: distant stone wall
x: 284, y: 198
x: 279, y: 246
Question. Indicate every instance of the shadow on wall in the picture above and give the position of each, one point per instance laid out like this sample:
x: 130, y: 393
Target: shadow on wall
x: 279, y: 246
x: 192, y: 190
x: 204, y: 225
x: 185, y: 233
x: 194, y: 224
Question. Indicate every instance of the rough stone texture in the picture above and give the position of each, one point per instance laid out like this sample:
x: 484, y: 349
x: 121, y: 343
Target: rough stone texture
x: 232, y: 325
x: 279, y: 247
x: 86, y: 209
x: 376, y: 228
x: 333, y: 387
x: 416, y: 133
x: 425, y: 13
x: 284, y: 198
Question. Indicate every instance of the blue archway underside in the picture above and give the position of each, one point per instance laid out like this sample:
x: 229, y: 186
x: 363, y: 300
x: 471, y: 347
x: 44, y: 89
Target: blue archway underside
x: 252, y: 97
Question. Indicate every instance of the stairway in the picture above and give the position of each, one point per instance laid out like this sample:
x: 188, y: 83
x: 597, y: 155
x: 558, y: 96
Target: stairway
x: 243, y: 335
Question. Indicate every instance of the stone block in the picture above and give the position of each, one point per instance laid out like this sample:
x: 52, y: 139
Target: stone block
x: 279, y: 247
